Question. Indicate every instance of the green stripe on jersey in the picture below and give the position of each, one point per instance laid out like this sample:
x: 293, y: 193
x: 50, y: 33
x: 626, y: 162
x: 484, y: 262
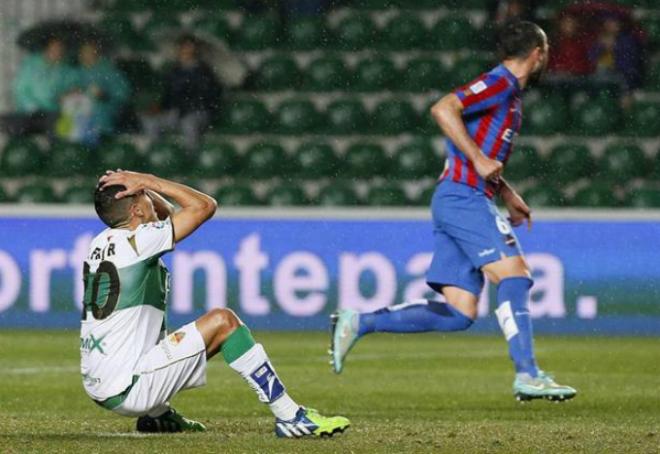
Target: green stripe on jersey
x: 144, y: 283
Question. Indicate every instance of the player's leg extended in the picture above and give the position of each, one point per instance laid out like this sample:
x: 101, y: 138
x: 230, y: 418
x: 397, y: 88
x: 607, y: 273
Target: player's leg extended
x: 223, y: 331
x: 512, y: 277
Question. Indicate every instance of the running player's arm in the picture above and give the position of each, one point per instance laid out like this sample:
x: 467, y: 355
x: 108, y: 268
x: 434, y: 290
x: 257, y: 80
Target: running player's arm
x: 448, y: 112
x: 518, y: 210
x: 195, y: 207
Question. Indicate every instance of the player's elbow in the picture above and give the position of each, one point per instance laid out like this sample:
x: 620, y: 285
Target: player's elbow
x: 209, y: 207
x: 443, y: 110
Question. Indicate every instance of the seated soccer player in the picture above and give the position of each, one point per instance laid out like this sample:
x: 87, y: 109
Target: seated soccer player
x: 480, y: 121
x: 130, y: 365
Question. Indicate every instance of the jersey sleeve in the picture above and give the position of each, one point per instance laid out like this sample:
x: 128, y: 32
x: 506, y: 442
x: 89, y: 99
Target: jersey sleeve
x: 154, y: 238
x: 483, y: 94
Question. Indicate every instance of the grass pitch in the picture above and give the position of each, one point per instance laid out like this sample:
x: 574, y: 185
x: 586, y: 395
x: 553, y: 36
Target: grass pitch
x: 421, y: 393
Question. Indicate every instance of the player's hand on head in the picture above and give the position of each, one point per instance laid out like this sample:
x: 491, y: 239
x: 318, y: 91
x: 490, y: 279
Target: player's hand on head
x: 133, y: 181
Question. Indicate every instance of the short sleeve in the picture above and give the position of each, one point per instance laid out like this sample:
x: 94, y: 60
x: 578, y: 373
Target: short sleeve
x: 484, y: 93
x: 154, y: 238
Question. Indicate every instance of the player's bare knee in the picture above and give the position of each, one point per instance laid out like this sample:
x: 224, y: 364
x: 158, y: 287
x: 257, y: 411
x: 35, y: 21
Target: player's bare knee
x: 224, y: 320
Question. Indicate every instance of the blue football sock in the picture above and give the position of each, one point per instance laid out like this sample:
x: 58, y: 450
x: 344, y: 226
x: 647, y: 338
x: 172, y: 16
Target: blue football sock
x: 516, y: 324
x: 417, y: 316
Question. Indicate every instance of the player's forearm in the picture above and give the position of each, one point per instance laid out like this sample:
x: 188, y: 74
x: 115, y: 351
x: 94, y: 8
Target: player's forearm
x: 186, y: 197
x: 163, y: 207
x: 447, y: 113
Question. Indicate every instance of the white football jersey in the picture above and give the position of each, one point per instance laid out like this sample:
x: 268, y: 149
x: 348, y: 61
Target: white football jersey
x: 126, y: 286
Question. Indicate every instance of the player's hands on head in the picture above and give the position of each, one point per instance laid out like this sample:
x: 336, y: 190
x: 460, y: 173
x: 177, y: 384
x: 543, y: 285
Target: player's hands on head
x: 133, y: 181
x: 488, y: 169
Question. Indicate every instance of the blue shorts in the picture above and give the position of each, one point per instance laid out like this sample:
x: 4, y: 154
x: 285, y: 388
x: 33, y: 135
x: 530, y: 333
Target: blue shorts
x: 469, y: 233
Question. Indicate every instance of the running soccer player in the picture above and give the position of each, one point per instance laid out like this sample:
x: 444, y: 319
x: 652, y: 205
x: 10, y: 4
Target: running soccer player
x: 480, y: 121
x: 128, y: 362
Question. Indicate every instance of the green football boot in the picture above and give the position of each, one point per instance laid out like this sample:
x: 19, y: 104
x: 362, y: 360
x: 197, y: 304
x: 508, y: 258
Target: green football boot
x: 170, y: 421
x: 344, y: 334
x: 310, y: 423
x: 543, y: 386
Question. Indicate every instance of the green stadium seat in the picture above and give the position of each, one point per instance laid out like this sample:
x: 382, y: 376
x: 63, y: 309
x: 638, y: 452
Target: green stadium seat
x: 644, y: 120
x: 338, y: 194
x: 546, y: 116
x: 524, y: 162
x: 327, y: 74
x: 653, y: 77
x: 346, y: 116
x: 452, y: 32
x: 365, y: 160
x: 595, y: 196
x: 257, y: 33
x: 569, y: 162
x: 287, y: 195
x: 36, y: 192
x: 316, y: 160
x: 167, y: 158
x: 394, y: 116
x: 216, y: 26
x: 236, y: 195
x: 277, y: 73
x: 218, y: 159
x: 355, y: 32
x: 246, y: 116
x: 21, y: 157
x: 375, y: 74
x: 81, y: 194
x: 544, y: 195
x: 123, y: 34
x: 162, y: 25
x: 297, y: 116
x: 644, y: 197
x: 424, y: 74
x: 415, y: 160
x: 467, y: 69
x: 4, y: 197
x: 375, y: 4
x: 597, y: 117
x: 130, y: 6
x: 69, y: 159
x: 651, y: 25
x: 118, y: 155
x: 428, y: 125
x: 307, y: 33
x: 387, y: 195
x: 403, y: 32
x: 266, y: 160
x: 621, y: 162
x: 424, y: 198
x: 421, y: 4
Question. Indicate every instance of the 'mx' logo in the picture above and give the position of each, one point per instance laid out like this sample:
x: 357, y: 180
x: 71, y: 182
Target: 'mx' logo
x: 90, y: 344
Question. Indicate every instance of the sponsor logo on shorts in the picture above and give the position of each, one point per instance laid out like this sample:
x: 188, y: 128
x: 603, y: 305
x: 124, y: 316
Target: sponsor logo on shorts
x: 176, y: 338
x: 486, y: 252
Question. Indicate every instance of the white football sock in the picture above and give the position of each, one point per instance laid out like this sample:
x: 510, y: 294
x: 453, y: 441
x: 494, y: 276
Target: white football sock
x: 255, y: 367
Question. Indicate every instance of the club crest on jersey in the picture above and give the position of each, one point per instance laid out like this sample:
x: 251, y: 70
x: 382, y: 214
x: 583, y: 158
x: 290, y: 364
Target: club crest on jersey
x: 176, y: 338
x: 475, y: 88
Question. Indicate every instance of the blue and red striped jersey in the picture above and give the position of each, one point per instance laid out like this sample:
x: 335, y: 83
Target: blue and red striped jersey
x: 492, y: 112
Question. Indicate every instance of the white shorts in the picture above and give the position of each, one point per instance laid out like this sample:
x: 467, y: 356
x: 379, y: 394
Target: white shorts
x: 176, y: 363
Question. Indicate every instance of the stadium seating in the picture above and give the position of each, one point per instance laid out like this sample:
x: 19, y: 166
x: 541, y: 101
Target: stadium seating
x: 245, y: 116
x: 546, y: 116
x: 569, y: 162
x: 236, y: 195
x: 326, y: 74
x: 316, y: 160
x: 415, y: 160
x: 544, y: 195
x: 644, y: 197
x: 337, y: 194
x: 36, y: 192
x: 167, y: 158
x: 306, y: 33
x: 79, y: 193
x: 596, y: 196
x: 365, y: 160
x: 452, y: 33
x: 599, y: 116
x: 257, y: 33
x: 387, y: 195
x: 118, y: 155
x: 346, y: 116
x: 375, y: 74
x: 214, y: 25
x: 525, y: 162
x: 403, y: 32
x: 424, y: 74
x: 21, y: 157
x: 68, y: 159
x: 623, y: 162
x: 354, y: 32
x: 394, y: 116
x: 644, y: 120
x: 266, y: 160
x: 218, y: 159
x: 297, y: 116
x: 277, y: 73
x: 286, y: 195
x: 4, y: 197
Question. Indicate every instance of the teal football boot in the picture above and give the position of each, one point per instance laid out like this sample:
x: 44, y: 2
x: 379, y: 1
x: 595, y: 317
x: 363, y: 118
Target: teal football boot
x: 344, y: 334
x: 543, y: 386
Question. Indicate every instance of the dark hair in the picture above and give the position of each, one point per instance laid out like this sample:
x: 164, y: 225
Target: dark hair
x: 110, y: 210
x: 188, y: 38
x: 516, y: 39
